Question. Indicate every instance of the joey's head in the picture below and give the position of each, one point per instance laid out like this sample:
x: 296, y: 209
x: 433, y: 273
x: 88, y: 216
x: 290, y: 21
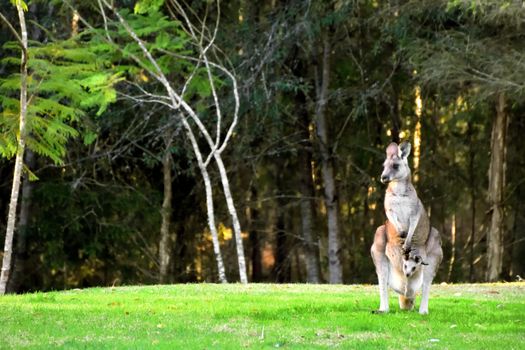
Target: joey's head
x: 412, y: 263
x: 395, y: 167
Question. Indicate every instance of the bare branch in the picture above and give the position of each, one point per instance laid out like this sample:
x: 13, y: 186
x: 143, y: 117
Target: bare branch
x: 12, y: 29
x: 177, y: 101
x: 203, y: 55
x: 103, y: 13
x: 235, y: 92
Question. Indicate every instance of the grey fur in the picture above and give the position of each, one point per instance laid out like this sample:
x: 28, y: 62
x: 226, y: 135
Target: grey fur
x: 406, y: 250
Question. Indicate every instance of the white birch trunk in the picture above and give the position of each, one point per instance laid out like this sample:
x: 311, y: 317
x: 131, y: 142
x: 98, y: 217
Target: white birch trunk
x: 11, y: 219
x: 209, y: 200
x: 235, y: 219
x: 177, y: 103
x: 20, y: 257
x: 212, y: 225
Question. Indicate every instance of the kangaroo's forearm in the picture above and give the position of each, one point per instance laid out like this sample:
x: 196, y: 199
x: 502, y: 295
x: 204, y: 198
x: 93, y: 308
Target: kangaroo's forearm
x: 413, y: 222
x: 392, y: 217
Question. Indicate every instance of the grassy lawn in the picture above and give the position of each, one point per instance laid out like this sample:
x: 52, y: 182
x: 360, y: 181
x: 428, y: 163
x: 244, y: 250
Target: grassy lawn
x: 204, y: 316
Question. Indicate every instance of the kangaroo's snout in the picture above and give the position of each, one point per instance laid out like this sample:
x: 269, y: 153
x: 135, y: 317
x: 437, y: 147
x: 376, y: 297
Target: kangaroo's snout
x: 385, y: 179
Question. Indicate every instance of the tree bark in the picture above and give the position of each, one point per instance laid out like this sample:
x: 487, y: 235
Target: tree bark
x: 11, y: 219
x: 282, y: 261
x: 255, y: 241
x: 212, y: 226
x: 416, y: 157
x: 310, y: 246
x: 396, y: 120
x: 209, y: 200
x: 327, y: 167
x: 20, y: 257
x: 472, y: 177
x: 235, y: 219
x: 453, y: 247
x: 508, y: 261
x: 306, y: 187
x: 496, y: 191
x: 282, y: 268
x: 165, y: 245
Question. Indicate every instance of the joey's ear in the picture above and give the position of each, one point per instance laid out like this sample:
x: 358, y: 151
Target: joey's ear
x: 404, y: 149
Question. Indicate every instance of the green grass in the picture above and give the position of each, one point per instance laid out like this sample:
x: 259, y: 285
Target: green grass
x: 204, y: 316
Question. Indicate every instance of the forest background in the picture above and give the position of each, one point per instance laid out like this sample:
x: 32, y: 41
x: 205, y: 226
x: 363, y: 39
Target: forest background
x: 113, y: 192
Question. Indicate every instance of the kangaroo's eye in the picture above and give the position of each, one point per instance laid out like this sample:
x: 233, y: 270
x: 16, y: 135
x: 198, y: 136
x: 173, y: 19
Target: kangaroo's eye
x: 413, y: 268
x: 395, y: 166
x: 417, y: 259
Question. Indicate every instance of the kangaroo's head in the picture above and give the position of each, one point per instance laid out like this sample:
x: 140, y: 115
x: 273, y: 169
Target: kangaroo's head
x: 395, y: 166
x: 412, y: 263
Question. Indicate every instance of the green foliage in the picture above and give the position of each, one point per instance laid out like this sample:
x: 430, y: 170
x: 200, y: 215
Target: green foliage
x: 471, y: 44
x: 168, y: 43
x: 84, y: 249
x: 89, y: 137
x: 146, y: 24
x: 66, y: 81
x: 145, y: 6
x: 263, y: 316
x: 21, y: 3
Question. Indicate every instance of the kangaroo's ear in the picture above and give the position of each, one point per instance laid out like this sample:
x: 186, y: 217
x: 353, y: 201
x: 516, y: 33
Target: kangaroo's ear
x: 404, y: 149
x: 392, y: 150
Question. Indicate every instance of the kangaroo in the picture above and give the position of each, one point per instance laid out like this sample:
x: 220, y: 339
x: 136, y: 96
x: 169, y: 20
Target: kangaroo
x: 406, y: 250
x: 402, y: 205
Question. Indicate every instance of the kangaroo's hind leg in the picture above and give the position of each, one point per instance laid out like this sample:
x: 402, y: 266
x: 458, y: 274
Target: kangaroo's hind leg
x: 406, y: 303
x: 434, y: 257
x: 382, y: 265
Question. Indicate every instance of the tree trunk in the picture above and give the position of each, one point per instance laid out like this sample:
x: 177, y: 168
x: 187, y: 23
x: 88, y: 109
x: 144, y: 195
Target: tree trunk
x: 311, y: 248
x: 327, y: 167
x: 165, y: 245
x: 74, y: 23
x: 453, y: 247
x: 417, y: 135
x: 178, y: 256
x: 306, y: 187
x: 496, y: 191
x: 235, y: 219
x: 255, y: 241
x: 23, y: 223
x: 508, y: 271
x: 209, y: 199
x: 11, y: 219
x: 396, y: 120
x: 472, y: 177
x: 212, y: 226
x: 282, y: 266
